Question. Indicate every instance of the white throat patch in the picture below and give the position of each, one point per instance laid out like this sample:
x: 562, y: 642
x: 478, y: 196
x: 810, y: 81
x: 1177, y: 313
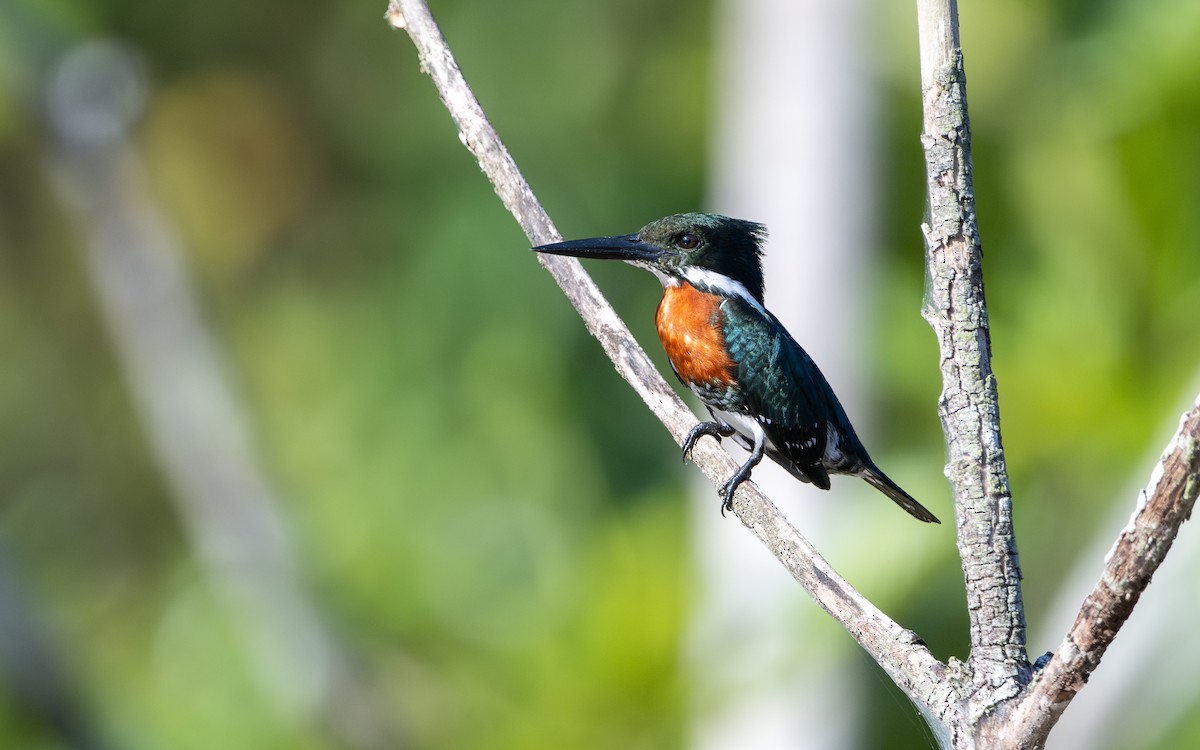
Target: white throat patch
x: 718, y: 282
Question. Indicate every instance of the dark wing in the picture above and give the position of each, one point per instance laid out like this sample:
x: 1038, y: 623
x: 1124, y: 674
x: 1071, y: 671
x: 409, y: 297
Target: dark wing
x: 780, y: 383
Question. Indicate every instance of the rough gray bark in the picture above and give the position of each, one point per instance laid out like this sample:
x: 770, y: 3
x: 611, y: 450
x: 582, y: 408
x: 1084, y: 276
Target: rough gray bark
x: 969, y: 406
x: 989, y: 701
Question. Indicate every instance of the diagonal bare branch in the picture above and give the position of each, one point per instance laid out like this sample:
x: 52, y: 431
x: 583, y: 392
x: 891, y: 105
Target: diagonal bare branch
x: 901, y: 654
x: 1141, y: 547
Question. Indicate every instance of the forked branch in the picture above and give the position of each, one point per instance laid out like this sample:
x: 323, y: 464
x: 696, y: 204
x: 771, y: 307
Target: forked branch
x: 992, y: 704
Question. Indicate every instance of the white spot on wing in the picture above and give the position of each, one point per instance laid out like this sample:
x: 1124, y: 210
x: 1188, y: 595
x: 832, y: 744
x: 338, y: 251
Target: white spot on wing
x: 748, y: 426
x: 833, y: 449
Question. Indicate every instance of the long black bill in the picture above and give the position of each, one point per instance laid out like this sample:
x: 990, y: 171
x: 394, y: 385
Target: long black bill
x: 626, y: 247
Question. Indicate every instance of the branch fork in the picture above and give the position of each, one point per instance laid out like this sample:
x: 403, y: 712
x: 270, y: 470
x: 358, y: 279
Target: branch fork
x: 994, y: 699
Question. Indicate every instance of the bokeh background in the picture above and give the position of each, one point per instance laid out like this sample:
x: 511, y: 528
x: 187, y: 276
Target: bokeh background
x: 302, y: 449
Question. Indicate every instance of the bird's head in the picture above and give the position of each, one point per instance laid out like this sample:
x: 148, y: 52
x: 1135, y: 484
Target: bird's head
x: 709, y: 251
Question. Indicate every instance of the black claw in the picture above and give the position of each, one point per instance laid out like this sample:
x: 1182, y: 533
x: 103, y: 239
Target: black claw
x: 720, y: 430
x: 739, y: 476
x: 730, y: 487
x: 712, y: 429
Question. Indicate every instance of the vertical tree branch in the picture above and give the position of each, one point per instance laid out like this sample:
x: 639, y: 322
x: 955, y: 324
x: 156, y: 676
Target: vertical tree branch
x: 192, y: 418
x: 969, y: 409
x: 810, y: 194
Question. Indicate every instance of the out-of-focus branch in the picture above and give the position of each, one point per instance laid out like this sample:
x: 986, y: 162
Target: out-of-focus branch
x: 186, y: 404
x: 1162, y: 507
x: 897, y: 650
x: 969, y: 407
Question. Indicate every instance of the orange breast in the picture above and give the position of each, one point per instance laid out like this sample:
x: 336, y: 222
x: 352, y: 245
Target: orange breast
x: 690, y: 325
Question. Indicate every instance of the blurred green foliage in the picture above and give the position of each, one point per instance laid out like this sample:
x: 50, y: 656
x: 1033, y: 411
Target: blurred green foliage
x: 486, y: 512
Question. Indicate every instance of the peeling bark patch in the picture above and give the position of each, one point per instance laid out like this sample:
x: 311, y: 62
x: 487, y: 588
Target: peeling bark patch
x: 835, y: 588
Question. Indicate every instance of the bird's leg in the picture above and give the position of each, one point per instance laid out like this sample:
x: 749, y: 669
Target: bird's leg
x: 743, y: 473
x: 717, y: 430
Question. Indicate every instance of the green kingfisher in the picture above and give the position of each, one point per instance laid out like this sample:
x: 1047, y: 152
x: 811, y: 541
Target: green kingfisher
x: 760, y: 387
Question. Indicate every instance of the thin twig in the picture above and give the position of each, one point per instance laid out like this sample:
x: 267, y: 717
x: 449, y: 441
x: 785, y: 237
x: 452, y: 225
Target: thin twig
x: 969, y: 406
x: 1141, y: 547
x: 898, y: 651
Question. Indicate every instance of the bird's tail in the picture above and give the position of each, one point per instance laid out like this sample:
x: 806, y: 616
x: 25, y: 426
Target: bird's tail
x: 881, y: 482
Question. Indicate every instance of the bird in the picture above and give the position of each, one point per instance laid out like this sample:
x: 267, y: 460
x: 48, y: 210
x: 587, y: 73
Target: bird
x: 760, y: 387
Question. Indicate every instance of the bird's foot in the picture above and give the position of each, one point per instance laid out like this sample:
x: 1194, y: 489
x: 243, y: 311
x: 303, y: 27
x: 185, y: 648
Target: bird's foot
x: 712, y: 429
x: 730, y: 487
x: 720, y: 430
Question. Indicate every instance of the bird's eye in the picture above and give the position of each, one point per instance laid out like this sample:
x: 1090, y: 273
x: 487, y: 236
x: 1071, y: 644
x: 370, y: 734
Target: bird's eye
x: 687, y: 241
